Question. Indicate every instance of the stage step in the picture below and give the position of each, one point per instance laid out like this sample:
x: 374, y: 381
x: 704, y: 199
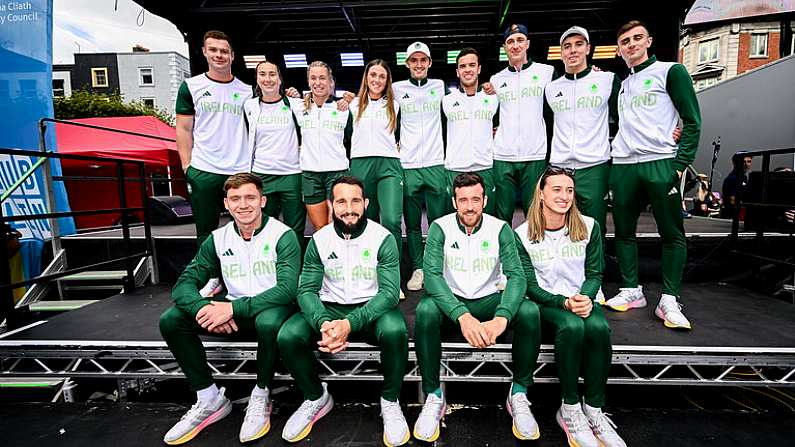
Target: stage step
x: 97, y: 275
x: 59, y: 306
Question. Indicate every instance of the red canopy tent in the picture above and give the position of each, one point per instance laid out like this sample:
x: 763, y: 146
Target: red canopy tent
x: 160, y: 157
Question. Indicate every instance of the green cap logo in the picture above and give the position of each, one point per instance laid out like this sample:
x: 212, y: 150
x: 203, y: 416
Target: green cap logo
x: 594, y: 88
x: 266, y: 249
x: 647, y: 84
x: 484, y: 245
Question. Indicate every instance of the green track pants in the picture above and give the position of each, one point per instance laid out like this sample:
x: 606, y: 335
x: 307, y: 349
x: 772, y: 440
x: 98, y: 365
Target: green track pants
x: 206, y: 200
x: 181, y: 332
x: 591, y: 188
x: 511, y: 176
x: 432, y: 323
x: 634, y: 186
x: 488, y: 179
x: 298, y: 342
x: 383, y: 186
x: 283, y: 194
x: 582, y: 347
x: 429, y: 184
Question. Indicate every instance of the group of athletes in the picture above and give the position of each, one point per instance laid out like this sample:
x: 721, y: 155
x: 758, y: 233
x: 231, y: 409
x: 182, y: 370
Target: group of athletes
x: 355, y: 161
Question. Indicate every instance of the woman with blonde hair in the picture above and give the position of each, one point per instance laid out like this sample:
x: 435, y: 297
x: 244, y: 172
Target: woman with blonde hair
x: 561, y: 252
x: 375, y: 159
x: 325, y: 141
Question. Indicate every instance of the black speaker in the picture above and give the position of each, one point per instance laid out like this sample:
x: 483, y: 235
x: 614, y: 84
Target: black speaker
x: 169, y: 210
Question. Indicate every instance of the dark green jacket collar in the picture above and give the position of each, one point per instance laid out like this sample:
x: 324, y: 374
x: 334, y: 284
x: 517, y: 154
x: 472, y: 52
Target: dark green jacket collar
x: 524, y: 67
x: 640, y: 67
x: 463, y: 228
x: 257, y: 231
x: 461, y: 89
x: 353, y: 235
x: 579, y: 75
x: 418, y: 82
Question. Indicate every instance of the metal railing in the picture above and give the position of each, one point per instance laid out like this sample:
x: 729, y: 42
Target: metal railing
x: 42, y: 159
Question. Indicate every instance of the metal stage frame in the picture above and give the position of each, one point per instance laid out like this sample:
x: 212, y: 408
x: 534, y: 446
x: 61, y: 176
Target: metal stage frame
x: 635, y: 365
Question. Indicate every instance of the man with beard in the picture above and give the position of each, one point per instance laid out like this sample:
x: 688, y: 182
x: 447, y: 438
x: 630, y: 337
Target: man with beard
x: 464, y: 255
x: 349, y: 288
x: 258, y: 259
x: 471, y: 117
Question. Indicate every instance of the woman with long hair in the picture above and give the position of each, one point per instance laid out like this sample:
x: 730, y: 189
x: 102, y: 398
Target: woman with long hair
x: 325, y: 141
x: 273, y: 141
x: 561, y: 252
x: 375, y: 159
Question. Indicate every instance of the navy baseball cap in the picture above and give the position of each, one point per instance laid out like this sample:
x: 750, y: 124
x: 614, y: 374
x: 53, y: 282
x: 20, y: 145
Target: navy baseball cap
x: 515, y: 29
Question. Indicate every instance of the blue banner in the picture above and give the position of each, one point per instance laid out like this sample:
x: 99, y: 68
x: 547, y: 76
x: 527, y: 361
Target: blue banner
x: 25, y: 98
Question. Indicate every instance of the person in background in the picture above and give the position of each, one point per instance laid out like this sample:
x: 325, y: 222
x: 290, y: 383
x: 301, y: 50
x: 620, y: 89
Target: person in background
x: 735, y: 183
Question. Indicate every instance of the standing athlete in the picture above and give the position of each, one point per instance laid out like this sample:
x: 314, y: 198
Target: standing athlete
x: 421, y: 151
x: 520, y: 144
x: 647, y: 166
x: 211, y: 131
x: 349, y: 288
x: 258, y: 259
x: 375, y: 159
x: 325, y: 141
x: 465, y: 254
x: 471, y: 117
x: 273, y: 139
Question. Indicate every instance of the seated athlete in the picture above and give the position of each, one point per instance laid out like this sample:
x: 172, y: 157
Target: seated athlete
x: 258, y: 259
x: 561, y: 252
x: 349, y: 288
x: 464, y: 253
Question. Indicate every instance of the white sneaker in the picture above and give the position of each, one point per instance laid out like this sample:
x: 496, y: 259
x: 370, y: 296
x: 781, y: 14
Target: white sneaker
x: 428, y: 425
x: 626, y: 299
x: 402, y: 295
x: 670, y: 311
x: 212, y: 288
x: 396, y: 430
x: 603, y: 428
x: 300, y: 423
x: 257, y: 421
x: 524, y: 424
x: 417, y: 280
x: 600, y: 297
x: 575, y: 424
x: 197, y: 418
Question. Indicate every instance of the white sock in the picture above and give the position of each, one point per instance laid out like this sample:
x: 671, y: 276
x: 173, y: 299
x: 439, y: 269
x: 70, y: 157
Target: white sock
x: 571, y: 407
x: 208, y: 394
x: 259, y: 392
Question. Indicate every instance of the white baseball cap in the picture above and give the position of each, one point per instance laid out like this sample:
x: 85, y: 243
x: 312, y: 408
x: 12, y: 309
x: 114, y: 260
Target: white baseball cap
x: 418, y: 47
x: 575, y: 31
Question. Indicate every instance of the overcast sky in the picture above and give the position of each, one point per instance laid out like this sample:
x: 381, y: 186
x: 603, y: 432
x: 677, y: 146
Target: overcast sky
x: 93, y: 26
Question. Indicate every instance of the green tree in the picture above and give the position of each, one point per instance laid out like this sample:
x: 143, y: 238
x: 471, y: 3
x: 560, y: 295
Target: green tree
x: 84, y: 104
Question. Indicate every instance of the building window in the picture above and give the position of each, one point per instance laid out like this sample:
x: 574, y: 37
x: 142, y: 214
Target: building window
x: 5, y: 88
x: 708, y: 51
x: 58, y: 88
x: 706, y: 82
x: 27, y: 88
x: 99, y: 77
x: 146, y: 76
x: 148, y: 102
x: 758, y: 45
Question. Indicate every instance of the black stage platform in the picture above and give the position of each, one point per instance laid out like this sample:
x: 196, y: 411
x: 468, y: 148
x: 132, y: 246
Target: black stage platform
x: 738, y: 338
x: 133, y: 425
